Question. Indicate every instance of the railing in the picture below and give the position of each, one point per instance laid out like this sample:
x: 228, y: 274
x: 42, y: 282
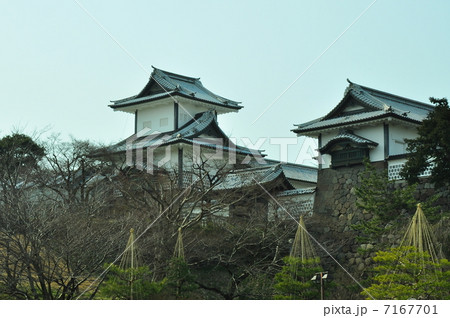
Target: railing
x: 394, y: 170
x: 347, y: 157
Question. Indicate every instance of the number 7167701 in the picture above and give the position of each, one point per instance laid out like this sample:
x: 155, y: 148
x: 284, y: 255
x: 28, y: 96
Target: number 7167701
x: 410, y: 309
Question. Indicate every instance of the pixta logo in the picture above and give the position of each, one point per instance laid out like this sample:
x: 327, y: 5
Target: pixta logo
x: 141, y: 149
x: 309, y: 154
x: 147, y: 140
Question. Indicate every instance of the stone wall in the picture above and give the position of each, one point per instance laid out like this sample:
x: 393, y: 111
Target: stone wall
x: 335, y: 211
x: 335, y: 190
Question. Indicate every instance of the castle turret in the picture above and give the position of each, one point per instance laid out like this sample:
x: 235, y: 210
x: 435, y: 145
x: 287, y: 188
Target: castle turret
x: 169, y: 101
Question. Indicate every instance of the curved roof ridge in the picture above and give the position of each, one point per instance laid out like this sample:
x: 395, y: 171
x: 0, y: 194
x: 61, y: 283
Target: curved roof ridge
x: 262, y: 167
x: 393, y: 97
x: 375, y: 104
x: 397, y: 98
x: 354, y: 90
x: 190, y: 78
x: 358, y: 92
x: 289, y: 164
x: 196, y: 125
x: 348, y: 135
x: 159, y: 75
x: 171, y: 84
x: 266, y: 173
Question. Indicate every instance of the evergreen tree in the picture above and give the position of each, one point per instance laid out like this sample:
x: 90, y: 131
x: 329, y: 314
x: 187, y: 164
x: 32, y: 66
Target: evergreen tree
x: 180, y: 282
x: 294, y: 279
x: 431, y: 147
x: 130, y: 283
x: 377, y: 195
x: 404, y: 273
x: 19, y: 150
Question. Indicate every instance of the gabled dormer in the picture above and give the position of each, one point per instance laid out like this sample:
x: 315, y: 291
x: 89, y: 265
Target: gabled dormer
x: 348, y: 107
x: 347, y: 149
x: 366, y: 106
x: 354, y: 102
x: 365, y: 123
x: 170, y: 100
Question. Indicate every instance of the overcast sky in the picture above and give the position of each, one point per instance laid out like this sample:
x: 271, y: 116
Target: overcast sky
x: 59, y: 68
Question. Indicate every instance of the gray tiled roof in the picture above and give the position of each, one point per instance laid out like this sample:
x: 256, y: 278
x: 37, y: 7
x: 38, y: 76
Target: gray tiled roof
x: 340, y: 121
x: 381, y: 100
x: 349, y: 136
x: 379, y: 105
x: 189, y: 133
x: 296, y: 171
x: 252, y: 176
x: 300, y: 173
x: 171, y: 84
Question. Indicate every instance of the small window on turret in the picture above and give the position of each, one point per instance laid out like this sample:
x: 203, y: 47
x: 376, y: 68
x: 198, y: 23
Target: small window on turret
x: 163, y: 122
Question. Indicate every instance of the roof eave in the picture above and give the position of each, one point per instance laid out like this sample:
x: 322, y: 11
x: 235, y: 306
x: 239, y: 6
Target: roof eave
x: 316, y: 131
x: 325, y: 149
x: 230, y: 107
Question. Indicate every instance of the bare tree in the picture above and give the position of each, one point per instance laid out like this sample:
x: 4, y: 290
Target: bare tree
x: 223, y: 214
x: 74, y: 212
x: 56, y: 231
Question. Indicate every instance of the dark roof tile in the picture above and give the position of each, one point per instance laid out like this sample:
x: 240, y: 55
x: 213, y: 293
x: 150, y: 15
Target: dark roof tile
x: 379, y: 105
x: 171, y: 84
x: 189, y: 133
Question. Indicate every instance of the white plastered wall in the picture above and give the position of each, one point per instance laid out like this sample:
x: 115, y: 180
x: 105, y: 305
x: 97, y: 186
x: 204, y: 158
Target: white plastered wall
x: 397, y: 135
x: 373, y: 133
x: 158, y: 118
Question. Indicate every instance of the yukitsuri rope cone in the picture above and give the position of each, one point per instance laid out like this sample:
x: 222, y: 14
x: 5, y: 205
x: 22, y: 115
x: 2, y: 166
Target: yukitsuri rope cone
x: 129, y: 257
x: 129, y: 261
x: 419, y: 234
x: 302, y: 247
x: 179, y: 247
